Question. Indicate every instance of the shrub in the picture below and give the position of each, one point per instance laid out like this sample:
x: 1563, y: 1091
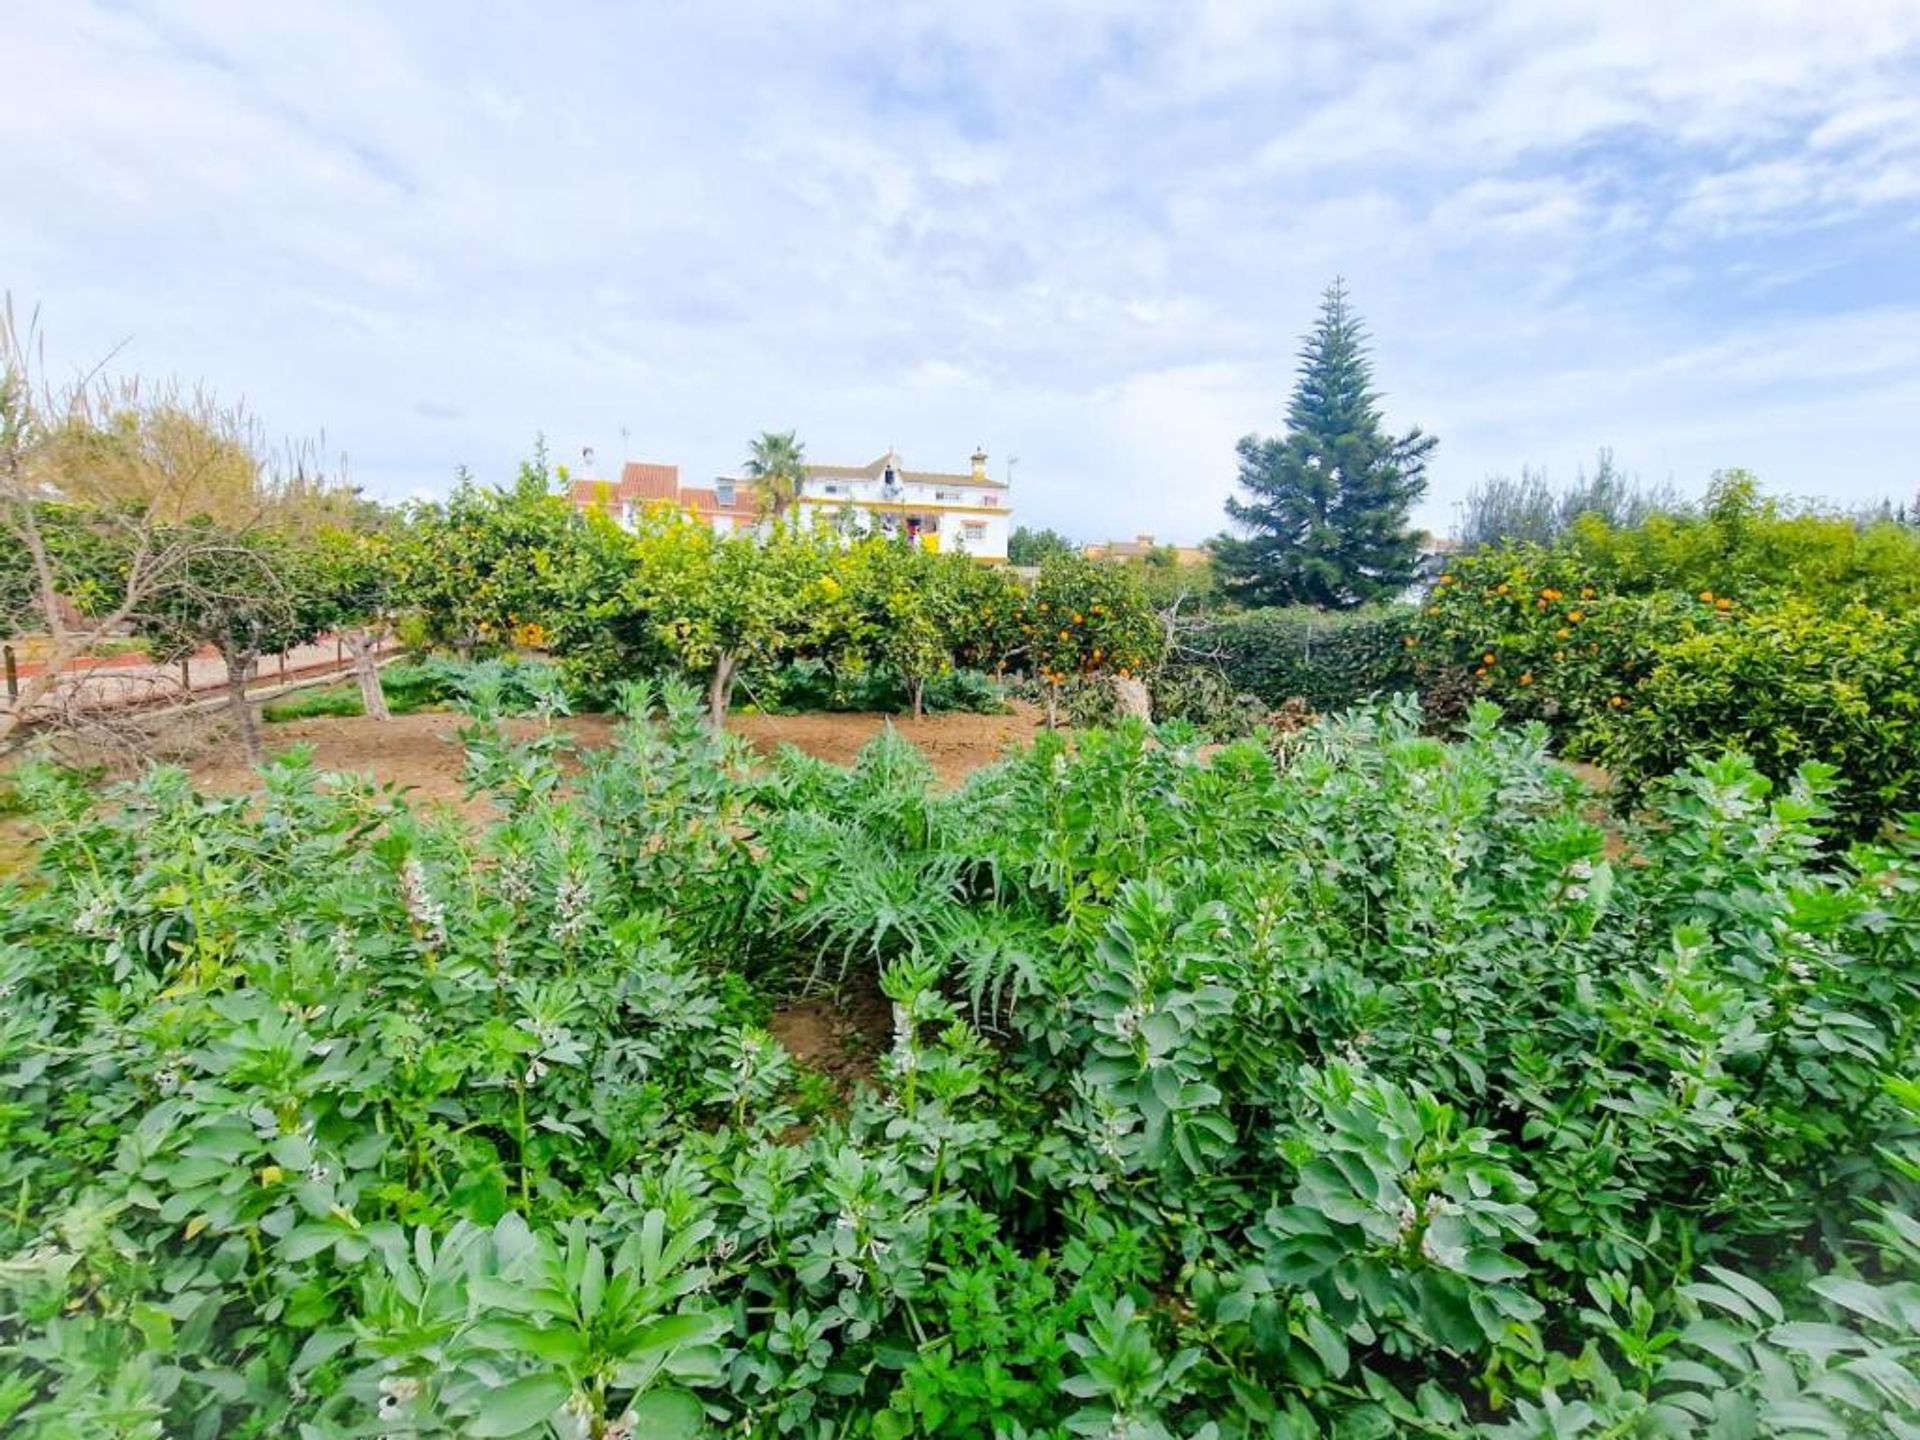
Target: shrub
x: 1785, y: 685
x: 1330, y: 660
x: 811, y: 685
x: 1205, y: 697
x: 1359, y: 1095
x: 1642, y: 682
x: 1750, y: 547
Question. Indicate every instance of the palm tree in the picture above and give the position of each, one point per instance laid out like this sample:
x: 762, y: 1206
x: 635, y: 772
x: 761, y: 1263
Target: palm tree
x: 777, y: 465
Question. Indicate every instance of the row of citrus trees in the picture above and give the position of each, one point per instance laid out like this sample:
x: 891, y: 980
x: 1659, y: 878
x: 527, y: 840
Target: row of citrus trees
x: 521, y: 566
x: 492, y: 569
x: 1792, y: 637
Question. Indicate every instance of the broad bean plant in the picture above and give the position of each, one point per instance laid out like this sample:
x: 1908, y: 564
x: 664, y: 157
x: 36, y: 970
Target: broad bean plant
x: 1355, y: 1083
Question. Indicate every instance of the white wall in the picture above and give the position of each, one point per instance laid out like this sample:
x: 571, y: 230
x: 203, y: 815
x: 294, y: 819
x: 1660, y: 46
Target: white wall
x: 996, y: 523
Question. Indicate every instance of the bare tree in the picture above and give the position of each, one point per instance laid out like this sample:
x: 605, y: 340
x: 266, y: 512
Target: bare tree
x: 113, y: 493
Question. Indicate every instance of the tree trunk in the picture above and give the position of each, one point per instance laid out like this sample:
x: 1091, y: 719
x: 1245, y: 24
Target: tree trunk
x: 38, y: 686
x: 239, y: 671
x: 720, y: 691
x: 1053, y: 706
x: 372, y: 698
x: 919, y: 686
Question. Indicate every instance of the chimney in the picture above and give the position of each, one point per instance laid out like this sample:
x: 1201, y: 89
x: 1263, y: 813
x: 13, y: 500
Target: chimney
x: 979, y: 466
x: 1145, y: 541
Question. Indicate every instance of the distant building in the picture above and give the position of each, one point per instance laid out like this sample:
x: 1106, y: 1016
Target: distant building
x: 970, y: 513
x: 966, y: 513
x: 1142, y: 546
x: 642, y: 484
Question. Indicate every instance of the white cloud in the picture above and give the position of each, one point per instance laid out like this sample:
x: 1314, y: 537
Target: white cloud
x: 1086, y: 233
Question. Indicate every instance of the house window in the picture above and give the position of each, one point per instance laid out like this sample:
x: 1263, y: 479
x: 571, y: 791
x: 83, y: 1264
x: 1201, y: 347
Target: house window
x: 723, y: 492
x: 833, y: 489
x: 952, y: 496
x: 975, y: 531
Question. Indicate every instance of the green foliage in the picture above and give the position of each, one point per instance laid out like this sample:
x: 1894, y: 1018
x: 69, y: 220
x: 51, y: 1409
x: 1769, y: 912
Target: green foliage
x: 1324, y: 513
x: 87, y: 557
x: 1359, y: 1095
x: 1206, y: 697
x: 1742, y: 544
x: 1797, y: 645
x: 332, y: 702
x: 510, y: 687
x: 1330, y: 661
x: 1175, y: 586
x: 242, y: 593
x: 495, y: 568
x: 811, y: 685
x: 1027, y: 546
x: 1788, y: 684
x: 902, y: 610
x: 1529, y: 510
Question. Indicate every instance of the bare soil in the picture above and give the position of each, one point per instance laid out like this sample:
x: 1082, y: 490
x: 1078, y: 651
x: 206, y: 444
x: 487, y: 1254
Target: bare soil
x: 421, y: 752
x: 842, y: 1035
x: 955, y: 745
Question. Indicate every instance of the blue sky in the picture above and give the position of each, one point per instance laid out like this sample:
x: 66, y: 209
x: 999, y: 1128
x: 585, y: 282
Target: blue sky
x: 1086, y: 234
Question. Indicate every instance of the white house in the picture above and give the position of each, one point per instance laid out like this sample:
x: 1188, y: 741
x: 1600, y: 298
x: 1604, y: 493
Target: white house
x: 970, y: 513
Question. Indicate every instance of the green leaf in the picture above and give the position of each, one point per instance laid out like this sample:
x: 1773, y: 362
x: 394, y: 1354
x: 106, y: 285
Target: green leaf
x: 1757, y: 1295
x: 669, y: 1415
x: 516, y: 1408
x: 1492, y: 1267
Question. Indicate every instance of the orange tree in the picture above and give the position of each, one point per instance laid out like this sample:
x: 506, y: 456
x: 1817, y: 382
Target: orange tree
x: 711, y: 605
x: 900, y: 608
x: 479, y: 567
x: 1529, y: 628
x: 1791, y: 683
x: 1643, y: 682
x: 990, y: 617
x: 1087, y: 618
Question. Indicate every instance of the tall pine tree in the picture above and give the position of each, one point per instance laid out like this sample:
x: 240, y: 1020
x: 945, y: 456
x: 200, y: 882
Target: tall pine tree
x: 1323, y: 520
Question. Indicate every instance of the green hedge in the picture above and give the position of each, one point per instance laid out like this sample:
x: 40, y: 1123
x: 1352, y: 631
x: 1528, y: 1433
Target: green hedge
x: 1329, y: 659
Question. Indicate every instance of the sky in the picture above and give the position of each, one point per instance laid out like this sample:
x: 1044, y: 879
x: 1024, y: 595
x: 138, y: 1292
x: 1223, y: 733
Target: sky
x: 1085, y: 236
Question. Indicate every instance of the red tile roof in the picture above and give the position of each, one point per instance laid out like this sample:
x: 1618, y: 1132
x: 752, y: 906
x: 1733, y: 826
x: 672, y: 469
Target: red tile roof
x: 705, y: 501
x: 639, y: 483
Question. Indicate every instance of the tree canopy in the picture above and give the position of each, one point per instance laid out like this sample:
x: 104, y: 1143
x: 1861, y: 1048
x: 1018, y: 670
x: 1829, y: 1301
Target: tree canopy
x: 777, y: 465
x: 1323, y: 511
x: 1027, y: 546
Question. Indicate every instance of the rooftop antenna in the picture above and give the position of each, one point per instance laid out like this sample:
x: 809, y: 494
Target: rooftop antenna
x: 1012, y: 460
x: 586, y: 460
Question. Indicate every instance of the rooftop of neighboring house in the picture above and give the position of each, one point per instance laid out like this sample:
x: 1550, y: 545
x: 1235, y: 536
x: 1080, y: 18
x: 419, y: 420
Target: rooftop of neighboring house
x: 704, y: 501
x: 642, y: 483
x: 876, y: 469
x: 639, y: 483
x: 1140, y: 547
